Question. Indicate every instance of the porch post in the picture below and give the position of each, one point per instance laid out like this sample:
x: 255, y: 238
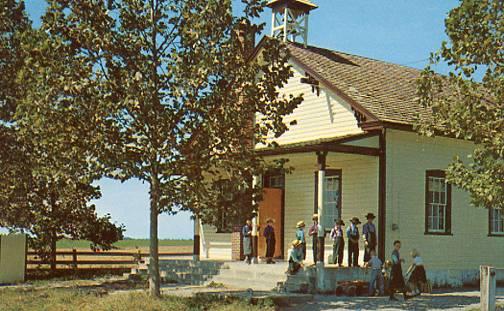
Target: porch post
x: 196, y: 245
x: 321, y: 161
x: 382, y: 195
x: 255, y: 182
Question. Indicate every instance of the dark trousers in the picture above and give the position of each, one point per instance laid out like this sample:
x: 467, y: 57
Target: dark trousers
x: 270, y: 248
x: 293, y: 267
x: 303, y: 246
x: 315, y: 248
x: 338, y: 247
x: 353, y: 254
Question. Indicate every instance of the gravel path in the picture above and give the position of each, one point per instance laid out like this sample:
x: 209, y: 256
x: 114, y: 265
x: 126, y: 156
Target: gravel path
x: 453, y: 300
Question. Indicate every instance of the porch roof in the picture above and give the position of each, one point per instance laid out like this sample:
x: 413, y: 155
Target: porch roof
x: 332, y: 144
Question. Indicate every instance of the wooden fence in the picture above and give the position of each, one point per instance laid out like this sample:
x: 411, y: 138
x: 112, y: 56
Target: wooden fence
x: 90, y: 259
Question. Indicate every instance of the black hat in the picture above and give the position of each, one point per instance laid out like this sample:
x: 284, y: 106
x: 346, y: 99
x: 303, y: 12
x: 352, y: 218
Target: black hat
x: 370, y: 215
x: 355, y: 220
x: 339, y: 222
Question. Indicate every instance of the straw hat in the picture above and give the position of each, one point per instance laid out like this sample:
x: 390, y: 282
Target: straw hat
x: 300, y: 224
x: 296, y: 243
x: 270, y: 220
x: 315, y: 217
x: 414, y: 253
x: 370, y: 215
x: 339, y: 222
x: 355, y: 220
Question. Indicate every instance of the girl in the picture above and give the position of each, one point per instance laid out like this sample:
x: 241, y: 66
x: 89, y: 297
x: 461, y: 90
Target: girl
x: 417, y: 273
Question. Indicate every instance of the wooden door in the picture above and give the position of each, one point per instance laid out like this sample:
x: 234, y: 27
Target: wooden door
x: 271, y: 207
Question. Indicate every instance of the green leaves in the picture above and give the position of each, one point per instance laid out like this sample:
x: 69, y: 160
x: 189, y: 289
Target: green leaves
x: 468, y: 109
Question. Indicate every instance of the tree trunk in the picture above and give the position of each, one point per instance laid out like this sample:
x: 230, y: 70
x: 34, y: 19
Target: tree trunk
x: 53, y: 251
x: 154, y: 279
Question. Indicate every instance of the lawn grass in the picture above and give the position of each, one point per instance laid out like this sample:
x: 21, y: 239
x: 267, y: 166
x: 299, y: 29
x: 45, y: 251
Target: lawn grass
x: 123, y: 244
x: 93, y: 300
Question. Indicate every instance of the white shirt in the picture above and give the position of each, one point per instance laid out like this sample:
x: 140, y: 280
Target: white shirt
x: 418, y: 261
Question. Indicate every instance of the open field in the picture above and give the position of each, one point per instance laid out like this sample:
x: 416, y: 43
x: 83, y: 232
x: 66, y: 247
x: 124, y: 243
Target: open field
x: 70, y: 299
x: 125, y: 244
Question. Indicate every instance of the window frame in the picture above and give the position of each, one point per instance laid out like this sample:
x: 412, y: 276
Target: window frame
x: 273, y: 174
x: 448, y: 207
x: 490, y: 222
x: 329, y: 173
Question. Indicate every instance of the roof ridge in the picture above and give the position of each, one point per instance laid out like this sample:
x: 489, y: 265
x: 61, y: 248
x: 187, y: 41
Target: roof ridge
x: 355, y: 55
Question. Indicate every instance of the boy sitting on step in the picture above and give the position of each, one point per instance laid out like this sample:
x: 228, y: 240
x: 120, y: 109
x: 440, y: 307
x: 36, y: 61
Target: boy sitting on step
x: 295, y: 258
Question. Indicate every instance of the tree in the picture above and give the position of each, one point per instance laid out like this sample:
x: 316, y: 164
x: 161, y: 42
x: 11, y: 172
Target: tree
x: 466, y: 108
x: 48, y: 207
x: 45, y: 187
x: 13, y: 23
x: 173, y: 95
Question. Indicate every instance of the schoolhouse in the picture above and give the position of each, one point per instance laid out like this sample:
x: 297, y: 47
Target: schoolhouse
x: 354, y: 151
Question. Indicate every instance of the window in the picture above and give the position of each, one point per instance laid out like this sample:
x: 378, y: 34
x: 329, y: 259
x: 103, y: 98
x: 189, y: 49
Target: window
x: 224, y: 202
x: 496, y: 221
x: 274, y: 179
x: 332, y: 197
x: 437, y: 203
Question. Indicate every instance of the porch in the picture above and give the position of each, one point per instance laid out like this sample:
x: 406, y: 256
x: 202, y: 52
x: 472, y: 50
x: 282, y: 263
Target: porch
x: 337, y: 179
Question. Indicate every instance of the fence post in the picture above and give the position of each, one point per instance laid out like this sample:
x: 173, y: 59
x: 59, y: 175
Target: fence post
x: 139, y: 259
x: 74, y: 258
x: 488, y: 283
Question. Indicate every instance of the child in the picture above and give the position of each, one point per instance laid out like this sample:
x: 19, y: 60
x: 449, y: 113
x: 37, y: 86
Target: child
x: 353, y: 242
x: 417, y: 273
x: 369, y: 236
x: 295, y: 258
x: 269, y: 235
x: 396, y: 276
x: 300, y: 236
x: 247, y: 241
x: 339, y: 242
x: 376, y: 274
x: 313, y: 232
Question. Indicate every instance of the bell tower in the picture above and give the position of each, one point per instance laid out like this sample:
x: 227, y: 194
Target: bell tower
x: 289, y: 21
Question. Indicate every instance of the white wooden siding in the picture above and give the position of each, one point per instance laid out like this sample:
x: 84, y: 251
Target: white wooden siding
x: 359, y: 191
x: 322, y: 116
x: 408, y: 157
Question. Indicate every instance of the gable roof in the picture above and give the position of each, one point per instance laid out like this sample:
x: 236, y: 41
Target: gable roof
x: 383, y: 92
x: 380, y: 93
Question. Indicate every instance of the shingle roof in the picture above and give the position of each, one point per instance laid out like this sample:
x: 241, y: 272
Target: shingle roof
x: 387, y: 91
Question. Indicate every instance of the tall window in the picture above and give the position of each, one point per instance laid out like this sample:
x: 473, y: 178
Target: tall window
x: 437, y: 203
x: 332, y: 197
x: 496, y: 221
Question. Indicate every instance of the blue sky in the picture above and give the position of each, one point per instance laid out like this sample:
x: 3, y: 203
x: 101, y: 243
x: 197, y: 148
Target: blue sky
x: 398, y: 31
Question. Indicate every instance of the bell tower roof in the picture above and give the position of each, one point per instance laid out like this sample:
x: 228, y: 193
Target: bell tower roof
x: 304, y: 5
x: 289, y: 20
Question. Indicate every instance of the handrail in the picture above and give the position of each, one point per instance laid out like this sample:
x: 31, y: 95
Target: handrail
x: 203, y: 240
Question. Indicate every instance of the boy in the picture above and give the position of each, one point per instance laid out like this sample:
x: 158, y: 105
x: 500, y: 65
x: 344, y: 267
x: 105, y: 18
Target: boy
x: 376, y: 274
x: 295, y: 258
x: 353, y: 242
x: 339, y: 242
x: 269, y: 235
x: 369, y: 236
x: 313, y: 232
x: 300, y: 236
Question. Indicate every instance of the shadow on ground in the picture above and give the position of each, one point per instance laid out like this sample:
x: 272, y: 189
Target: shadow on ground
x: 440, y: 301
